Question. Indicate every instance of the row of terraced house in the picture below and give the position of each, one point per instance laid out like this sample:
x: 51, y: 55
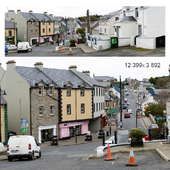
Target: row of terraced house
x: 53, y: 101
x: 35, y: 28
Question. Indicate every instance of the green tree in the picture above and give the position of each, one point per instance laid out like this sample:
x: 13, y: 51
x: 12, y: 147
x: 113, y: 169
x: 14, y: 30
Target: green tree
x: 155, y: 110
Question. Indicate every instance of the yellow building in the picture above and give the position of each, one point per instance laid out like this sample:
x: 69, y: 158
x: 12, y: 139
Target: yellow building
x: 10, y: 32
x: 4, y: 121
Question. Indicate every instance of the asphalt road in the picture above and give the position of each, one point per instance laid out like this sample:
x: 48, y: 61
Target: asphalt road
x: 76, y: 158
x: 119, y: 52
x: 128, y: 123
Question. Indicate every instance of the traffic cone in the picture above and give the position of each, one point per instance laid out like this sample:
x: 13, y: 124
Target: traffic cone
x: 70, y: 53
x: 60, y: 49
x: 131, y: 158
x: 109, y: 155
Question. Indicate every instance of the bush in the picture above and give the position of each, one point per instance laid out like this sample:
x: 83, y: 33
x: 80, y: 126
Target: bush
x: 72, y: 42
x: 136, y: 134
x: 20, y: 133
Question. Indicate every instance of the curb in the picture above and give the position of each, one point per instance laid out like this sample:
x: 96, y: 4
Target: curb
x: 162, y: 155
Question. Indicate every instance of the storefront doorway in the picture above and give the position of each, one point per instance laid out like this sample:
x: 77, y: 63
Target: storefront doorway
x: 77, y: 130
x: 46, y: 135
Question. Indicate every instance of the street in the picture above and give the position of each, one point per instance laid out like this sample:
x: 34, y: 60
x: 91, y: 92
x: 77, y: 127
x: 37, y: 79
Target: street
x: 76, y: 158
x: 128, y: 123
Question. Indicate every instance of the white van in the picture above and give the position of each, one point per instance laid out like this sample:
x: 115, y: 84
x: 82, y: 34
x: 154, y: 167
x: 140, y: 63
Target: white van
x: 23, y: 146
x: 24, y: 46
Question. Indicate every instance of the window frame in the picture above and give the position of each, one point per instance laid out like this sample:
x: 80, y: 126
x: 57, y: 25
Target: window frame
x: 40, y: 111
x: 68, y: 91
x: 40, y: 90
x: 82, y: 108
x: 68, y: 109
x: 82, y: 91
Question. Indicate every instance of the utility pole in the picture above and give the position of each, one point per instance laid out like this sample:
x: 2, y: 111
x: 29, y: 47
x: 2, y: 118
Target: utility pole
x: 88, y: 25
x: 120, y: 102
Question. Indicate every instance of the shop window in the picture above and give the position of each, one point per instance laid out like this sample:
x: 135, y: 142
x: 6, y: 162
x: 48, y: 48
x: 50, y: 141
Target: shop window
x: 68, y: 109
x: 10, y: 33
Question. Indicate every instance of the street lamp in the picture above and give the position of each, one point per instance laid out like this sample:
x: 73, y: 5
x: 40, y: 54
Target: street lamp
x: 4, y: 93
x: 138, y: 107
x: 169, y: 70
x: 120, y: 103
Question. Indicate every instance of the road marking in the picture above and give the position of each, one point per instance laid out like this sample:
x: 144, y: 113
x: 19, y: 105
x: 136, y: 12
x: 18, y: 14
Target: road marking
x: 86, y: 158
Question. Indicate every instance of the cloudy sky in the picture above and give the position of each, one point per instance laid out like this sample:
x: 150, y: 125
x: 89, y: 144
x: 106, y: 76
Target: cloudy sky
x: 100, y: 66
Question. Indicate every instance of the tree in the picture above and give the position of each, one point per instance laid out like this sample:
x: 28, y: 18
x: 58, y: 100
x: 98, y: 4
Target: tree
x: 155, y: 110
x: 162, y: 82
x: 153, y: 80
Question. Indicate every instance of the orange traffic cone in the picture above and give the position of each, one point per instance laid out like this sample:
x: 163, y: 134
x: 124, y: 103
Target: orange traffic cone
x: 60, y: 49
x: 131, y: 158
x: 70, y: 53
x: 109, y: 155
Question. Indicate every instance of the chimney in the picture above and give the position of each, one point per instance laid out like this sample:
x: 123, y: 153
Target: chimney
x: 45, y: 13
x: 39, y: 65
x: 11, y: 11
x: 73, y: 68
x: 51, y: 14
x: 10, y: 64
x: 30, y: 11
x: 12, y: 20
x: 18, y: 11
x: 86, y: 72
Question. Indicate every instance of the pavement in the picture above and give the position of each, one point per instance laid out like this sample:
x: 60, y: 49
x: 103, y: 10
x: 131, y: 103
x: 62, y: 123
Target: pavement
x: 161, y: 147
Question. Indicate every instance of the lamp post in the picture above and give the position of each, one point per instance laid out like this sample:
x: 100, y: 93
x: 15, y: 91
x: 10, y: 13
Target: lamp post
x: 120, y: 103
x: 138, y: 108
x: 4, y: 93
x: 169, y: 70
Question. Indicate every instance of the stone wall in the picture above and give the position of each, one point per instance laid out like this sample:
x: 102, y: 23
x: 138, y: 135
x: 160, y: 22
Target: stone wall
x: 46, y: 118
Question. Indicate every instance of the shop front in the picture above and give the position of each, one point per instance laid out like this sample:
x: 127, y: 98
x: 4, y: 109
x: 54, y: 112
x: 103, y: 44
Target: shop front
x: 45, y: 133
x: 70, y: 129
x: 46, y: 39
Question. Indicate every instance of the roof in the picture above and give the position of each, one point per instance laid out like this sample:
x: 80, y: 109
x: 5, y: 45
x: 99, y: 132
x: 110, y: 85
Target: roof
x: 36, y: 16
x: 146, y: 84
x: 110, y: 15
x: 127, y: 19
x: 3, y: 101
x: 9, y: 24
x: 61, y: 78
x: 117, y: 88
x: 90, y: 79
x: 107, y: 97
x: 151, y: 91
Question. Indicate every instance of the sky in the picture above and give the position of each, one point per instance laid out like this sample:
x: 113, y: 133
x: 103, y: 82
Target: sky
x: 100, y: 66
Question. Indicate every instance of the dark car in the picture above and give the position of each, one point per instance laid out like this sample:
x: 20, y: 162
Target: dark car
x: 11, y: 133
x: 124, y: 106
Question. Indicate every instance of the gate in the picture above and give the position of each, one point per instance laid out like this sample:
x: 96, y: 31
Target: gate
x: 160, y: 41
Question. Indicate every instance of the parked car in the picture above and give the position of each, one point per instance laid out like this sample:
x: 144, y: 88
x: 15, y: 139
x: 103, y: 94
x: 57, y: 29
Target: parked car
x: 24, y: 46
x: 11, y: 46
x: 130, y: 111
x: 124, y: 106
x: 23, y: 146
x: 128, y: 103
x: 11, y: 133
x: 125, y: 99
x: 111, y: 140
x: 6, y: 50
x: 127, y: 115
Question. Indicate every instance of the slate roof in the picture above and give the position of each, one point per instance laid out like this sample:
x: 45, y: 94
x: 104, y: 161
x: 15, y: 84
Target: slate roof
x: 127, y: 19
x: 107, y: 97
x: 117, y: 88
x: 10, y: 25
x: 151, y: 91
x: 36, y: 16
x: 57, y: 76
x: 110, y: 15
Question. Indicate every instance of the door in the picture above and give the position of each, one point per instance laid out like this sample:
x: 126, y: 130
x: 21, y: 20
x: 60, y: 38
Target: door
x: 46, y: 135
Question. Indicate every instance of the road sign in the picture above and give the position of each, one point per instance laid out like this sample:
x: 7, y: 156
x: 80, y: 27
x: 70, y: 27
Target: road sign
x: 24, y: 129
x: 24, y: 120
x: 24, y: 125
x: 111, y: 111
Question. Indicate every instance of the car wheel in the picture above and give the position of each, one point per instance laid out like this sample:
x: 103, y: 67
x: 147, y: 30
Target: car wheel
x: 39, y: 155
x: 9, y: 159
x: 32, y: 156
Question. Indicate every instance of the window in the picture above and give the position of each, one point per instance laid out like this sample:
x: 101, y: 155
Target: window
x: 36, y: 30
x: 99, y: 91
x: 107, y: 103
x: 100, y: 30
x: 96, y: 107
x: 117, y: 18
x: 124, y: 13
x: 40, y: 91
x: 43, y: 23
x: 99, y: 106
x: 93, y: 107
x: 82, y: 91
x: 43, y: 30
x: 51, y: 109
x: 136, y: 13
x: 51, y: 90
x: 68, y: 109
x: 49, y: 23
x: 31, y: 31
x: 40, y: 110
x: 49, y: 29
x: 10, y: 33
x: 68, y: 91
x: 96, y: 91
x: 82, y: 108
